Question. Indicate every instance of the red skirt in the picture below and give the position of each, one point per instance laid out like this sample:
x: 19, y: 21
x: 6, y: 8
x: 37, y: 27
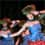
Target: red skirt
x: 36, y: 43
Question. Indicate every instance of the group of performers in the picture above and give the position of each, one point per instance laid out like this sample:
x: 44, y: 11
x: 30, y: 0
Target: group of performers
x: 30, y: 31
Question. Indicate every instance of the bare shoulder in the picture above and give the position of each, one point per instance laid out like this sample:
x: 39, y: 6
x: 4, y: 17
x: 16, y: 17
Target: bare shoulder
x: 30, y: 23
x: 36, y: 22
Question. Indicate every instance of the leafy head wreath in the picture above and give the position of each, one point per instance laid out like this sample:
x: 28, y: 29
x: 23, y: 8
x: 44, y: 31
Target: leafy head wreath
x: 26, y: 9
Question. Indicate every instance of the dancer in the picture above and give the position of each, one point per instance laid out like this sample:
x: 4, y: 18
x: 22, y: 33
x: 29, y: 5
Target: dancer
x: 8, y: 40
x: 33, y: 24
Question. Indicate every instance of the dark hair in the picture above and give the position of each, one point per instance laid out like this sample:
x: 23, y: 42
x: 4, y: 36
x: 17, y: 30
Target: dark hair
x: 1, y: 26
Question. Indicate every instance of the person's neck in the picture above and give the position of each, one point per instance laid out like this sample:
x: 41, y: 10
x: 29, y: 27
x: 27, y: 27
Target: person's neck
x: 30, y: 20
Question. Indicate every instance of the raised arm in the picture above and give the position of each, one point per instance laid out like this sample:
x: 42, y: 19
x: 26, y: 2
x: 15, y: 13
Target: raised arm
x: 38, y: 12
x: 43, y: 11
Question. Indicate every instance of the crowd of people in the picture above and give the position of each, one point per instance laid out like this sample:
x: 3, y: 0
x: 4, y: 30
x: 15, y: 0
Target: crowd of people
x: 23, y: 32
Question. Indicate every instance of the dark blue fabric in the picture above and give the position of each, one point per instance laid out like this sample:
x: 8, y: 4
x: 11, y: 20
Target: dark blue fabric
x: 25, y: 40
x: 7, y: 41
x: 43, y: 38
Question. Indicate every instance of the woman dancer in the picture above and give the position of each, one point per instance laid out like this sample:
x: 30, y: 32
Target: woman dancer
x: 32, y: 23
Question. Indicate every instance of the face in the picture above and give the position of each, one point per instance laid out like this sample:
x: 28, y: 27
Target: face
x: 30, y: 16
x: 5, y: 24
x: 13, y: 21
x: 11, y: 26
x: 33, y: 7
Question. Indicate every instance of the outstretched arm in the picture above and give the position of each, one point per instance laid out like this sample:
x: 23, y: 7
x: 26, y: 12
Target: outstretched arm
x: 43, y: 11
x: 15, y: 34
x: 20, y: 31
x: 38, y: 12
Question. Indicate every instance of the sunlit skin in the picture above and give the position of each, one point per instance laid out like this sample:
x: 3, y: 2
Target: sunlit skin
x: 30, y: 16
x: 5, y: 25
x: 5, y: 32
x: 24, y: 33
x: 17, y: 42
x: 33, y: 7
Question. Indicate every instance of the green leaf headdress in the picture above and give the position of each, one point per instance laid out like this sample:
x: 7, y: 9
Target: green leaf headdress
x: 27, y: 9
x: 2, y: 22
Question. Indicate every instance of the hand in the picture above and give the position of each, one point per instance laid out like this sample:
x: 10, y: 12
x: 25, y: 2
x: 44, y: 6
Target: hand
x: 35, y: 12
x: 18, y: 21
